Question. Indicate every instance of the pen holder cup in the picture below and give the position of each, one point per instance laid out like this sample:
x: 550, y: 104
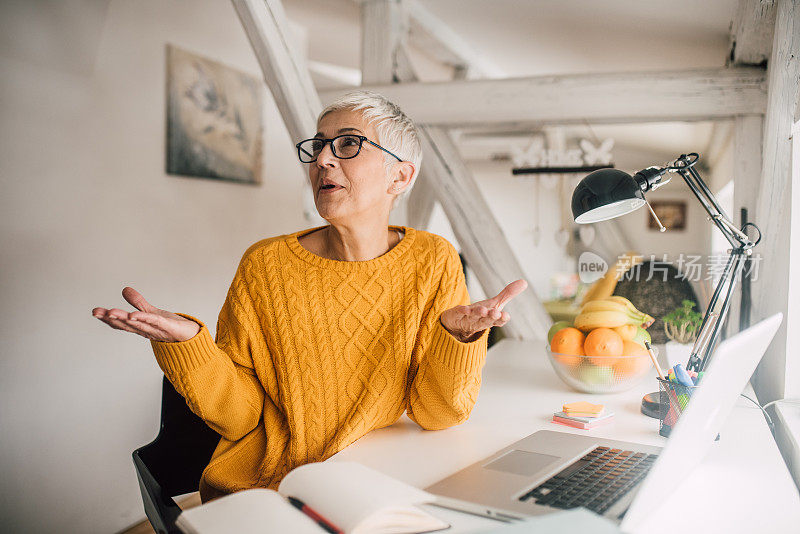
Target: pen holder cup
x: 674, y: 398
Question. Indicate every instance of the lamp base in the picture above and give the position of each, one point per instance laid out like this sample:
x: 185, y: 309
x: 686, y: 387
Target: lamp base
x: 651, y: 404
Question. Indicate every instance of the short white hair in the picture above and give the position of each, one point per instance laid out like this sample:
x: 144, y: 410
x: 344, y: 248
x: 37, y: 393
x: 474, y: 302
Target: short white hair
x: 396, y: 132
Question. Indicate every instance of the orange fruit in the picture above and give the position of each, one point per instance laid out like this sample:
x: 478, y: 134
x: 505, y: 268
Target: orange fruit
x: 567, y: 346
x: 626, y: 331
x: 631, y: 348
x: 568, y: 341
x: 603, y: 345
x: 637, y: 360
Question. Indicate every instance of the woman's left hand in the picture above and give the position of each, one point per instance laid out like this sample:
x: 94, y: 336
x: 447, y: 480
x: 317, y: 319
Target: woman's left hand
x: 467, y: 323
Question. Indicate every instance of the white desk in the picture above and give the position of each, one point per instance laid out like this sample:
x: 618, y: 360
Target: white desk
x: 741, y: 486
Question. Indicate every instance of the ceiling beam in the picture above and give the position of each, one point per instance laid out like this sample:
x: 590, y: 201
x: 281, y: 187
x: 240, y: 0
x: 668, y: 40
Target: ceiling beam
x: 751, y: 32
x: 422, y: 199
x: 421, y: 202
x: 285, y: 72
x: 384, y: 25
x: 335, y: 74
x: 701, y: 94
x: 434, y: 37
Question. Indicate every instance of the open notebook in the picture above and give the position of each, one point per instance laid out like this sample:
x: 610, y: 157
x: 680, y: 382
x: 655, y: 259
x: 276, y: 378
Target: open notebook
x: 353, y: 498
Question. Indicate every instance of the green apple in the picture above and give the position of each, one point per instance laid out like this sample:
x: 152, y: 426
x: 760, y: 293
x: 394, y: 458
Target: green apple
x: 597, y: 375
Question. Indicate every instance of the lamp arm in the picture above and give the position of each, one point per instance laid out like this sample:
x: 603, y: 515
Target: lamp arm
x: 716, y: 313
x: 652, y: 178
x: 735, y: 237
x: 741, y: 247
x: 685, y: 167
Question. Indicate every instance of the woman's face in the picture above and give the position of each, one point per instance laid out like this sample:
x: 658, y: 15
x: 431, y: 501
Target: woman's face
x: 362, y: 188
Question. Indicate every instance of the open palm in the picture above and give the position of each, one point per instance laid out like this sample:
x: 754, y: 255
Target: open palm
x: 467, y: 322
x: 148, y: 321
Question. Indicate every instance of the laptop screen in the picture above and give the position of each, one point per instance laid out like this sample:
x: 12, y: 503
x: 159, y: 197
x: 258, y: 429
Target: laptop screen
x: 726, y: 376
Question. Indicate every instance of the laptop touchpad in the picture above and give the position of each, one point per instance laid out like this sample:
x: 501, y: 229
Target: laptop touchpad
x: 522, y: 462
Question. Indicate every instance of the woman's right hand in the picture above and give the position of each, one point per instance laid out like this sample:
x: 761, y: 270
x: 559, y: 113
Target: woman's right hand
x: 148, y: 321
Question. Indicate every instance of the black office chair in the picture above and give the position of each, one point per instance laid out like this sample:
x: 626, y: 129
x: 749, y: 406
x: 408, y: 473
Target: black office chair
x: 172, y: 463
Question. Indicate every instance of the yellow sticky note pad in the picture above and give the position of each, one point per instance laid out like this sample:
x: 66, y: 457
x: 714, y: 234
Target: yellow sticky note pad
x: 583, y: 407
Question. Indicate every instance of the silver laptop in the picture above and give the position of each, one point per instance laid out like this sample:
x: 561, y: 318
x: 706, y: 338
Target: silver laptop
x: 624, y: 481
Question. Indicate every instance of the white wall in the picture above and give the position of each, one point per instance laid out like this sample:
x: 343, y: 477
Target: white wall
x: 86, y: 208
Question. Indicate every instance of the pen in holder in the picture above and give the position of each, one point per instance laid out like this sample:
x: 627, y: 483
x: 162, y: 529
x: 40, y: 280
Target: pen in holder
x: 674, y: 397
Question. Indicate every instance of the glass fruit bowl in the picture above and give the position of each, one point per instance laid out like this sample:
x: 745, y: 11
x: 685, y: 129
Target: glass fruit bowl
x: 601, y: 374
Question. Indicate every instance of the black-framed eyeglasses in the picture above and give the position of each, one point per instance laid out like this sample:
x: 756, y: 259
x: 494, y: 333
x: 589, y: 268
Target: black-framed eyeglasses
x: 345, y: 146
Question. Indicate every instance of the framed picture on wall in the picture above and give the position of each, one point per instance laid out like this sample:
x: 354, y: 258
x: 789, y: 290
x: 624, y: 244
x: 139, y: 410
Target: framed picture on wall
x: 672, y: 214
x: 214, y: 119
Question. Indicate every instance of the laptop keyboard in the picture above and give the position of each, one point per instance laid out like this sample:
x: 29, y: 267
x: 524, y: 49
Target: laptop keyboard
x: 596, y: 481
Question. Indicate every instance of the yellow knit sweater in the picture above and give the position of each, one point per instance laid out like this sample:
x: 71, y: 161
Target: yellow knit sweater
x: 312, y: 353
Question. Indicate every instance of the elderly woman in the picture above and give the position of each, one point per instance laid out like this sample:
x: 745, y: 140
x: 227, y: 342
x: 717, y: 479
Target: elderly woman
x: 329, y: 333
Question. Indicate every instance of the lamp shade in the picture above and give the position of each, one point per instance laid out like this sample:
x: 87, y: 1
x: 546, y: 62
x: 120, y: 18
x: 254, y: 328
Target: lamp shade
x: 605, y: 194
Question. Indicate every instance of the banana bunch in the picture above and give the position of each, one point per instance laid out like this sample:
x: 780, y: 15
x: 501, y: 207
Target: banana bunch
x: 604, y: 287
x: 610, y: 312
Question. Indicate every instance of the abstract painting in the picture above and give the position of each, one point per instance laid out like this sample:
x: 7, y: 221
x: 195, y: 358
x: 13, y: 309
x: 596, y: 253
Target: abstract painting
x: 214, y: 119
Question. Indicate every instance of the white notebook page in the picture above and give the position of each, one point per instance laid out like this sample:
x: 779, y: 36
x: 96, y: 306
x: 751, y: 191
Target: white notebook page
x: 247, y: 512
x: 345, y: 493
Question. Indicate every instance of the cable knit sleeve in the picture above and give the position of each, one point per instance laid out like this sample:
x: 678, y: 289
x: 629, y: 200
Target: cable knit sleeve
x: 218, y: 379
x: 446, y: 372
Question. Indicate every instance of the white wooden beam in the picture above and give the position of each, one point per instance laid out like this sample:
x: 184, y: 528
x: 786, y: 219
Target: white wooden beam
x: 404, y: 67
x: 774, y: 207
x: 383, y: 28
x: 434, y: 36
x: 747, y: 136
x: 285, y: 73
x: 792, y: 369
x: 746, y: 150
x: 422, y: 199
x: 420, y: 203
x: 704, y: 94
x: 336, y: 74
x: 751, y: 32
x: 482, y: 241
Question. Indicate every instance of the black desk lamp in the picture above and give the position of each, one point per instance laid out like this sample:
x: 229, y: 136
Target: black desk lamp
x: 608, y: 193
